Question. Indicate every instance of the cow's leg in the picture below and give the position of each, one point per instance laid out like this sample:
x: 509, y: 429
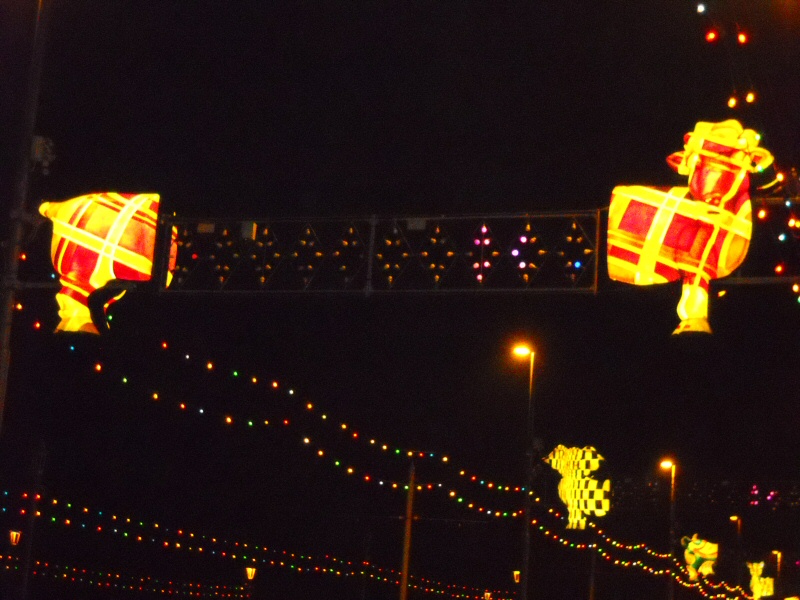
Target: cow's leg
x: 693, y: 305
x: 73, y: 311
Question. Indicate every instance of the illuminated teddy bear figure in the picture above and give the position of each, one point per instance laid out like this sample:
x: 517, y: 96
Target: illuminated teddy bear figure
x: 578, y: 491
x: 98, y: 238
x: 693, y: 234
x: 700, y: 555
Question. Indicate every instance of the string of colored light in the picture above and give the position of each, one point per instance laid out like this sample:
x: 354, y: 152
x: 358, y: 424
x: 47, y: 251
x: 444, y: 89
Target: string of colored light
x: 715, y: 33
x: 788, y: 231
x: 121, y: 581
x: 228, y: 419
x: 238, y: 551
x: 211, y: 366
x: 673, y: 570
x: 252, y: 554
x: 461, y: 500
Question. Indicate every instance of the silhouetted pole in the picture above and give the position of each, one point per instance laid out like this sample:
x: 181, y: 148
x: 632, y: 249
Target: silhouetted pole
x: 525, y: 351
x: 669, y: 465
x: 407, y: 536
x: 38, y: 468
x: 671, y: 590
x: 18, y: 215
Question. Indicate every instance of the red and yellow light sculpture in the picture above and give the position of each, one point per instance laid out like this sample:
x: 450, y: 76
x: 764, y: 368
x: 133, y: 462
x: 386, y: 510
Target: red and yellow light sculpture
x: 690, y: 234
x: 578, y: 491
x: 98, y: 238
x: 700, y: 555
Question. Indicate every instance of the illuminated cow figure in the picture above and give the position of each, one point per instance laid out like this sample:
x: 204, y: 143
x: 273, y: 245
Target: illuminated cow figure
x: 700, y: 555
x: 578, y: 491
x: 693, y: 234
x: 98, y: 238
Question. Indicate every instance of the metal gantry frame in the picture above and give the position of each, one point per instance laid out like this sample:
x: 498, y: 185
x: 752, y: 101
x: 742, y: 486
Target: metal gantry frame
x: 542, y: 252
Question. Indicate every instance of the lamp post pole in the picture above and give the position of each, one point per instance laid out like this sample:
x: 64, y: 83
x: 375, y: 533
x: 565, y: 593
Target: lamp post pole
x: 669, y: 465
x: 739, y: 548
x: 527, y: 351
x: 18, y: 217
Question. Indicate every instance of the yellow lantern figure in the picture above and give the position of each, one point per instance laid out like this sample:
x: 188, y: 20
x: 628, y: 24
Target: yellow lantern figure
x: 251, y: 572
x: 578, y: 491
x: 700, y: 555
x: 690, y: 234
x: 98, y: 238
x: 13, y: 537
x: 760, y: 586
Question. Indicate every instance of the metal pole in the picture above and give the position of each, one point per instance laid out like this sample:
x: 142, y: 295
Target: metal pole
x: 373, y: 224
x: 17, y: 215
x: 526, y: 532
x: 407, y: 536
x: 671, y: 583
x: 38, y: 468
x: 739, y: 550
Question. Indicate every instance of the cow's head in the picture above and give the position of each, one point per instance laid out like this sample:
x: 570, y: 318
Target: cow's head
x: 718, y: 159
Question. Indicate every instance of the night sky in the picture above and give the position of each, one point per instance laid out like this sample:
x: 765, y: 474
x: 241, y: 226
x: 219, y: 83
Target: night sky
x: 279, y: 109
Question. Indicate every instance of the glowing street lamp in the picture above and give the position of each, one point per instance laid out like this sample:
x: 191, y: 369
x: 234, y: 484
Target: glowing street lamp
x: 523, y: 351
x: 669, y: 465
x: 738, y: 520
x: 778, y: 556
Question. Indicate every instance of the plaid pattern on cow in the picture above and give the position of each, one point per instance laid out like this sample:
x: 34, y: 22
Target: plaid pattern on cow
x: 656, y: 235
x: 98, y: 238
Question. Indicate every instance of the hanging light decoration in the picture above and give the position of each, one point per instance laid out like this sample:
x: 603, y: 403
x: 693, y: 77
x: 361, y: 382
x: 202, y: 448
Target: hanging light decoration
x: 717, y: 159
x: 14, y: 536
x: 98, y: 238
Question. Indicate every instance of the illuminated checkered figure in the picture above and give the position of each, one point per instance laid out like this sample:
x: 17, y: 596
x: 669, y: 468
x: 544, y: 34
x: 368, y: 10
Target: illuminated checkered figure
x: 581, y: 494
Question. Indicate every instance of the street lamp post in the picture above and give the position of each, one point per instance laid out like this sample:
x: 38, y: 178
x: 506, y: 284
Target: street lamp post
x: 525, y: 351
x: 739, y: 548
x: 778, y: 557
x: 669, y: 465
